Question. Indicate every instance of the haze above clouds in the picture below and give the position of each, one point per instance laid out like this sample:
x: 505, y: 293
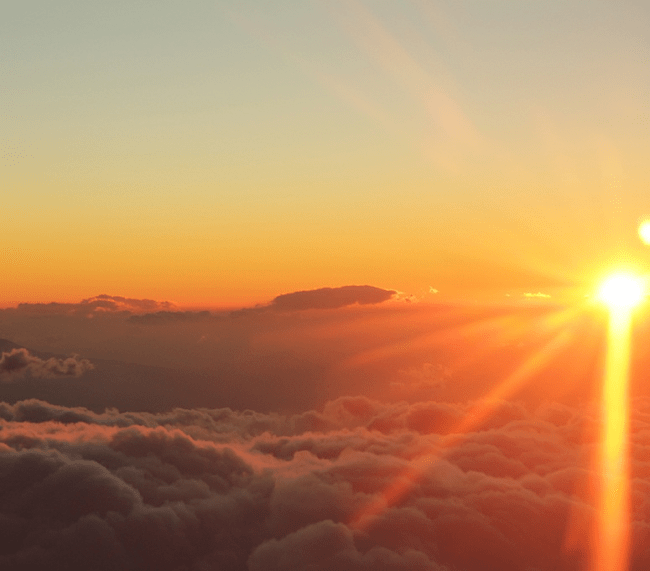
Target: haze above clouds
x: 294, y: 352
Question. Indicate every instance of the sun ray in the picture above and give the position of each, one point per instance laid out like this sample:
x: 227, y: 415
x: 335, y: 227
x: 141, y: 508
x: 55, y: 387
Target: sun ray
x: 492, y: 332
x: 475, y: 416
x: 621, y: 293
x: 548, y: 323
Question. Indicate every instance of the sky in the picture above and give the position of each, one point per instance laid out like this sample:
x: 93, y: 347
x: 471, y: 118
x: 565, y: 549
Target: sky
x: 301, y: 286
x: 221, y: 153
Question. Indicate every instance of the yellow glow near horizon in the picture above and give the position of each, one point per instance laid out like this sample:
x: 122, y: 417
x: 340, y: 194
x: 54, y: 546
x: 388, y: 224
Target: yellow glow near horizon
x: 621, y: 292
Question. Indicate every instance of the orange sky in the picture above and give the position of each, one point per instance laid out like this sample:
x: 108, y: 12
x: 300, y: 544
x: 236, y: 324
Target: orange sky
x: 223, y: 154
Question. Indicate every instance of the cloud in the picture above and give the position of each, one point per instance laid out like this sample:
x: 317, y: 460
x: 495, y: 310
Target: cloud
x: 18, y: 362
x: 163, y: 317
x: 331, y: 298
x: 219, y: 489
x: 538, y: 294
x: 327, y: 545
x: 152, y: 312
x: 92, y: 306
x: 119, y: 303
x: 322, y: 298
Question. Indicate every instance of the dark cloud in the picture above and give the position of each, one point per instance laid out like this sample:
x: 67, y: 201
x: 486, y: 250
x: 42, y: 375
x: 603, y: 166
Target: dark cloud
x: 218, y: 489
x: 173, y: 317
x: 149, y: 311
x: 93, y: 305
x: 331, y: 298
x: 323, y: 298
x: 18, y: 362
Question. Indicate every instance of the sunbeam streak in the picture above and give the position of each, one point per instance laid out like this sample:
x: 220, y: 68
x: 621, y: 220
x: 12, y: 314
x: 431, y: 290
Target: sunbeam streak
x: 611, y: 545
x: 479, y: 413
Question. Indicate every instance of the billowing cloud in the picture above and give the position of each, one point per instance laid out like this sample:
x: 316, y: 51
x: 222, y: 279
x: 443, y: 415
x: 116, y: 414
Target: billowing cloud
x: 119, y: 303
x: 218, y: 489
x: 331, y: 298
x: 19, y: 362
x: 327, y: 545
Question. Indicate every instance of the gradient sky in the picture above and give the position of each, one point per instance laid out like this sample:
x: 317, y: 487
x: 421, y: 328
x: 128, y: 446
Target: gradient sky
x: 221, y: 153
x: 306, y: 170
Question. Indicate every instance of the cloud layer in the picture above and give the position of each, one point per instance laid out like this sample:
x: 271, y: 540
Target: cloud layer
x: 19, y: 362
x: 217, y: 489
x: 210, y: 488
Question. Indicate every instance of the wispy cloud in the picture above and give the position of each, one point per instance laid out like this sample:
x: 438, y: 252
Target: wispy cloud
x: 538, y: 294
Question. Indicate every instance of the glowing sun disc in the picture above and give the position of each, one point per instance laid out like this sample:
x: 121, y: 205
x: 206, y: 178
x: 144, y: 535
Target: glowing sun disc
x: 644, y: 232
x: 621, y: 291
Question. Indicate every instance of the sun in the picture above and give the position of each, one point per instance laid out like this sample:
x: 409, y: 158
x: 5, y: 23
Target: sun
x: 644, y: 232
x: 621, y: 291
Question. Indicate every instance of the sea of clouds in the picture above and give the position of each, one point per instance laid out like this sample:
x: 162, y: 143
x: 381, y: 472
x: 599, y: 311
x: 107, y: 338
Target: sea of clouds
x: 209, y: 489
